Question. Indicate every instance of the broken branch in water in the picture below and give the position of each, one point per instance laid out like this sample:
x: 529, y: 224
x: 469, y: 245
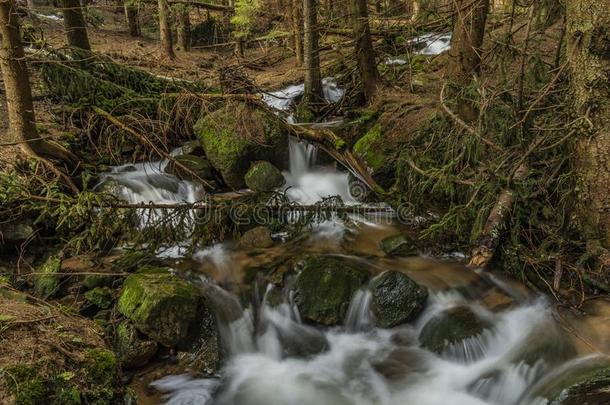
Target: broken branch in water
x: 141, y: 138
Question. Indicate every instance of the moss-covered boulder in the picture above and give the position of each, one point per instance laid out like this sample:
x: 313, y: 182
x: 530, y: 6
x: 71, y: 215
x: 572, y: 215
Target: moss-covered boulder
x: 47, y: 281
x: 162, y: 306
x: 582, y: 382
x: 398, y: 245
x: 379, y: 155
x: 449, y: 327
x: 237, y: 135
x: 195, y: 164
x: 131, y: 349
x: 256, y: 238
x: 264, y: 177
x: 101, y: 297
x: 325, y: 287
x: 396, y: 299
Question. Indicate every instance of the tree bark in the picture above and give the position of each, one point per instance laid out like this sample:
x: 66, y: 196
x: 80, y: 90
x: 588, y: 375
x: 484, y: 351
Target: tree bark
x: 313, y: 81
x: 21, y: 117
x: 133, y: 20
x: 297, y: 32
x: 75, y: 25
x: 465, y: 54
x: 184, y: 28
x: 365, y: 54
x: 468, y: 33
x: 165, y: 30
x: 588, y: 41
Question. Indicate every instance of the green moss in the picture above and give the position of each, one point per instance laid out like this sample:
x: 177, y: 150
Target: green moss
x: 25, y: 384
x: 160, y: 304
x: 368, y: 148
x: 237, y: 135
x: 65, y: 392
x: 100, y: 297
x: 46, y: 283
x: 100, y: 368
x: 263, y: 177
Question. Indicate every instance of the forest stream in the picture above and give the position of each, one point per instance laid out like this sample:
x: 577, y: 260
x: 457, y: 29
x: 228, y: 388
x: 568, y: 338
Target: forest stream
x: 479, y: 339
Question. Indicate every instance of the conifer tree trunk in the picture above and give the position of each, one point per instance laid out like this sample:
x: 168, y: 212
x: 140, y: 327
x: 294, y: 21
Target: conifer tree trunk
x: 21, y: 117
x: 313, y: 82
x: 133, y: 20
x: 75, y: 25
x: 31, y: 4
x: 365, y: 54
x: 465, y: 54
x: 184, y: 28
x: 468, y: 33
x: 588, y: 28
x: 165, y: 30
x: 297, y: 32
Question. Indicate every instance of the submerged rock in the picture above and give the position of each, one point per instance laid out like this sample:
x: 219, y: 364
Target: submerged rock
x: 325, y: 287
x: 132, y: 350
x: 396, y: 299
x: 237, y: 135
x: 256, y: 238
x: 163, y: 306
x: 449, y: 327
x: 582, y: 382
x: 263, y: 177
x: 398, y: 245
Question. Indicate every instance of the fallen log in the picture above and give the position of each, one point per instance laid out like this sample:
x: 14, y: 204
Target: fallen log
x: 487, y: 244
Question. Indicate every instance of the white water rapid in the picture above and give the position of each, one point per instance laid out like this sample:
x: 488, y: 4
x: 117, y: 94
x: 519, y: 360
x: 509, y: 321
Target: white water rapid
x: 290, y: 363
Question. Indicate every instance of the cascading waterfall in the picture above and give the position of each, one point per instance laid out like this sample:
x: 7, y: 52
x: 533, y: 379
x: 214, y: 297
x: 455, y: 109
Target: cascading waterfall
x: 287, y: 362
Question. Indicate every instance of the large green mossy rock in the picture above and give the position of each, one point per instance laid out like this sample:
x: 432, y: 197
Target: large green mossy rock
x: 237, y: 135
x: 264, y: 177
x: 581, y: 382
x: 325, y: 287
x: 47, y: 281
x: 449, y: 327
x: 396, y: 299
x: 162, y: 306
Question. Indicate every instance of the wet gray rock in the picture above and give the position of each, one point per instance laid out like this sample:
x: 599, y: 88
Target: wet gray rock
x: 396, y: 299
x: 256, y: 238
x: 399, y: 245
x: 325, y: 287
x: 195, y: 164
x: 450, y: 327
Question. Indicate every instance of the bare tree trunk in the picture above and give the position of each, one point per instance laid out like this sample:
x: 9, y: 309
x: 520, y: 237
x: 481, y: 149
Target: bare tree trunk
x: 465, y: 53
x: 468, y: 33
x: 364, y: 49
x: 589, y: 57
x: 133, y: 20
x: 31, y: 4
x: 313, y: 81
x: 21, y: 117
x: 297, y: 32
x: 184, y: 28
x: 75, y: 25
x: 165, y: 30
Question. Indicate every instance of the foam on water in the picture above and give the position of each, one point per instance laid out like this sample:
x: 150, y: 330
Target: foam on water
x: 277, y: 360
